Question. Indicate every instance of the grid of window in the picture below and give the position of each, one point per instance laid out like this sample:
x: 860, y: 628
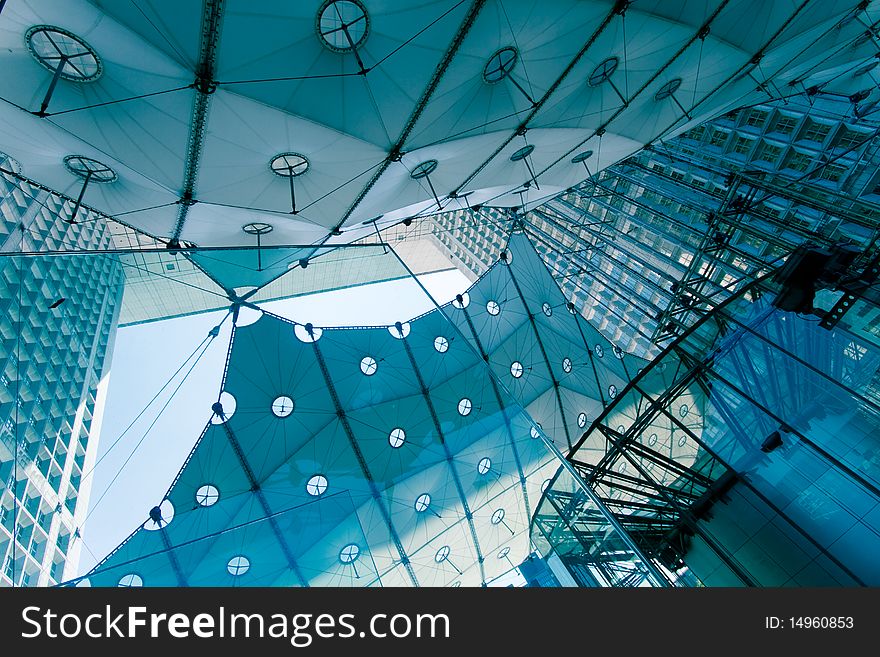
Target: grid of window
x: 53, y: 376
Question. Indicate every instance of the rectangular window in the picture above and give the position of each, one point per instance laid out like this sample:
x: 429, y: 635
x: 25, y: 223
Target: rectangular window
x: 696, y: 133
x: 752, y: 241
x: 770, y: 153
x: 718, y: 138
x: 739, y: 263
x: 46, y: 521
x: 756, y: 118
x: 816, y: 132
x: 799, y: 162
x: 785, y: 125
x: 742, y: 145
x: 832, y: 172
x: 659, y: 168
x: 849, y: 138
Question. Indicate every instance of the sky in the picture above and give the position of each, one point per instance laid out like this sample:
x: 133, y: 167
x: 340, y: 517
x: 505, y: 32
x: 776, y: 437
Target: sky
x: 138, y: 458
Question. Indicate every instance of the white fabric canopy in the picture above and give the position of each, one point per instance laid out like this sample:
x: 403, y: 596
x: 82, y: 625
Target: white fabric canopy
x: 276, y: 87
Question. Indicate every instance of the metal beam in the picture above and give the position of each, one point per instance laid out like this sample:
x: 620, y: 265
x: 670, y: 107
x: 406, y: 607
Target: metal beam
x: 500, y: 400
x: 257, y: 490
x: 687, y: 518
x: 616, y: 9
x: 770, y: 504
x: 362, y: 461
x: 172, y: 558
x: 540, y: 342
x: 426, y: 395
x: 205, y: 85
x: 397, y: 148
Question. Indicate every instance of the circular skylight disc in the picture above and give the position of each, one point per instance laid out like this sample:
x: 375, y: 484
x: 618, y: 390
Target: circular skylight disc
x: 522, y: 153
x: 49, y: 45
x: 500, y: 64
x: 603, y: 71
x: 289, y: 164
x: 83, y: 166
x: 424, y: 169
x: 668, y: 89
x: 343, y: 25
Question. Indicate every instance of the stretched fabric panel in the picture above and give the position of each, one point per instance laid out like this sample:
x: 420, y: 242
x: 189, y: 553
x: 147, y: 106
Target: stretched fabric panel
x: 396, y: 455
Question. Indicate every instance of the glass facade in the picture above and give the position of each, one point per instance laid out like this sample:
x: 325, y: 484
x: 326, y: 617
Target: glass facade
x: 58, y: 321
x: 746, y: 453
x: 645, y: 246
